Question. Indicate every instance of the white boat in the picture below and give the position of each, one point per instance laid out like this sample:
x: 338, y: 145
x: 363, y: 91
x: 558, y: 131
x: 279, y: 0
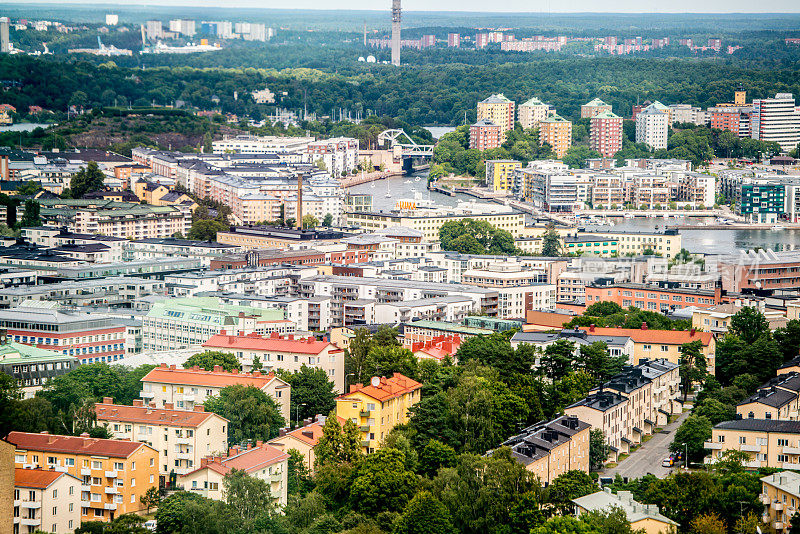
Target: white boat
x: 628, y: 215
x: 776, y: 227
x: 418, y: 178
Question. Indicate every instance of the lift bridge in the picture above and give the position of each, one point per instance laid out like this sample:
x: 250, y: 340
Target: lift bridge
x: 403, y: 147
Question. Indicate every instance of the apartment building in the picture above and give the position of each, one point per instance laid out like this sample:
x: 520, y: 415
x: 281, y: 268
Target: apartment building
x: 499, y: 110
x: 46, y: 501
x: 260, y: 461
x: 450, y: 308
x: 286, y: 353
x: 377, y: 407
x: 781, y: 498
x: 661, y: 344
x: 633, y: 243
x: 485, y: 134
x: 114, y: 474
x: 607, y: 411
x: 594, y: 108
x: 776, y: 119
x: 642, y: 517
x: 762, y: 270
x: 179, y: 323
x: 181, y: 437
x: 339, y: 155
x: 111, y: 291
x: 500, y: 174
x: 778, y: 399
x: 551, y: 190
x: 32, y: 367
x: 590, y: 244
x: 252, y: 144
x: 605, y: 133
x: 652, y: 126
x: 649, y: 191
x: 556, y: 131
x: 699, y: 189
x: 184, y: 389
x: 532, y: 112
x: 551, y: 449
x: 425, y: 331
x: 769, y: 443
x: 89, y: 338
x: 607, y: 191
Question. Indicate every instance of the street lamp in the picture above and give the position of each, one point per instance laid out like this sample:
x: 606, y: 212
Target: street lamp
x: 345, y: 381
x: 297, y: 413
x: 686, y: 456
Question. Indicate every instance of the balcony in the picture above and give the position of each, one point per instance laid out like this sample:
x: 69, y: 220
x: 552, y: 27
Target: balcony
x: 110, y: 506
x: 765, y: 518
x: 111, y: 474
x: 752, y: 464
x: 777, y: 525
x: 777, y: 506
x: 365, y: 443
x: 147, y: 394
x: 33, y: 505
x: 364, y: 413
x: 86, y: 472
x: 789, y: 465
x: 188, y: 397
x: 85, y: 504
x: 85, y: 487
x: 764, y: 499
x: 30, y: 521
x: 184, y: 441
x: 112, y: 490
x: 791, y: 450
x: 712, y: 446
x: 750, y: 448
x: 184, y: 455
x: 276, y: 477
x: 364, y: 428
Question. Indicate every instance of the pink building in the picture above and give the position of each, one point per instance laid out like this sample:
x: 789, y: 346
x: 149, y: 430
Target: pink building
x: 454, y: 40
x: 605, y: 133
x: 484, y: 135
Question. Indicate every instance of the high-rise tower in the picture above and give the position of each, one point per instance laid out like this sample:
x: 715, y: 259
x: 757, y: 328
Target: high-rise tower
x: 396, y: 32
x: 5, y: 46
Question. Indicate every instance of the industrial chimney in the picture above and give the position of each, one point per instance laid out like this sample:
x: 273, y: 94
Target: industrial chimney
x: 299, y: 200
x: 396, y: 33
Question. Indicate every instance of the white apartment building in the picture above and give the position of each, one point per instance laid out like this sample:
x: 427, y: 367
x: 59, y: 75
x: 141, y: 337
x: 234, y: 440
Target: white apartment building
x: 183, y: 389
x: 181, y: 437
x: 533, y: 111
x: 45, y: 501
x: 652, y: 127
x: 254, y: 144
x: 339, y: 155
x: 451, y: 309
x: 776, y: 119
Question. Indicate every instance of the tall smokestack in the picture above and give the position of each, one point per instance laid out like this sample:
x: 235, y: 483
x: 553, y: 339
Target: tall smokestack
x: 299, y: 201
x: 365, y: 34
x: 5, y: 46
x: 396, y: 33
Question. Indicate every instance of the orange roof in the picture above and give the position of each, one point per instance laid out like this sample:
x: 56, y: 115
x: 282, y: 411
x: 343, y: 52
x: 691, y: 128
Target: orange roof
x: 386, y: 388
x: 644, y: 335
x: 308, y: 434
x: 439, y: 347
x: 155, y: 416
x: 200, y: 377
x: 249, y: 460
x: 273, y: 343
x: 36, y: 478
x: 82, y: 445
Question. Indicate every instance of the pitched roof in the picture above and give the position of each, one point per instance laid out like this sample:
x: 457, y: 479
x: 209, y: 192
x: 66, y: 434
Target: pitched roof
x: 770, y: 397
x: 499, y: 98
x: 643, y: 335
x: 36, y: 478
x: 386, y: 388
x: 761, y: 425
x: 249, y: 460
x: 200, y: 377
x: 605, y: 500
x: 595, y: 102
x: 146, y: 414
x: 74, y: 444
x: 273, y: 343
x: 308, y: 434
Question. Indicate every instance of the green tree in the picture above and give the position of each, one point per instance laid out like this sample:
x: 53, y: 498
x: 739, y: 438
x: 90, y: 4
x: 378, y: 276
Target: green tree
x: 31, y: 218
x: 709, y: 523
x: 788, y: 339
x: 312, y: 392
x: 551, y: 242
x: 715, y: 411
x: 206, y: 230
x: 382, y: 483
x: 603, y: 309
x: 558, y: 359
x: 598, y: 449
x: 691, y: 436
x: 693, y: 367
x: 309, y: 221
x: 434, y: 456
x: 577, y: 155
x: 749, y: 324
x: 327, y: 220
x: 249, y: 497
x: 387, y: 360
x: 424, y: 514
x: 476, y: 237
x: 568, y: 486
x: 596, y: 361
x: 86, y: 180
x: 339, y: 443
x: 151, y: 498
x: 252, y: 414
x: 299, y: 476
x: 209, y: 359
x: 29, y: 188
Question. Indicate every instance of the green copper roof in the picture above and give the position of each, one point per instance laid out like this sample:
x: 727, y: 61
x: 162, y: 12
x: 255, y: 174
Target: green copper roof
x: 450, y: 327
x: 12, y: 353
x: 596, y: 102
x: 209, y: 310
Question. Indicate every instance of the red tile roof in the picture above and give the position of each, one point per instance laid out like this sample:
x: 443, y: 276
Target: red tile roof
x: 308, y: 434
x: 387, y: 388
x: 153, y: 416
x: 36, y: 478
x: 82, y: 445
x: 644, y: 335
x: 439, y: 347
x: 274, y: 343
x: 200, y: 377
x: 249, y: 460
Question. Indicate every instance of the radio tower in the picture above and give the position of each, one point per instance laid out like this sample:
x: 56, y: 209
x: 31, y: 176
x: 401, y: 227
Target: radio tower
x: 396, y: 33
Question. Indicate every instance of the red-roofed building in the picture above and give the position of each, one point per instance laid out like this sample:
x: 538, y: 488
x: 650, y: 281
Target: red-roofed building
x: 184, y: 436
x: 437, y: 348
x: 377, y: 407
x: 650, y: 344
x: 8, y: 107
x: 115, y: 474
x: 260, y: 461
x: 46, y: 500
x: 184, y: 389
x: 303, y: 439
x: 287, y: 352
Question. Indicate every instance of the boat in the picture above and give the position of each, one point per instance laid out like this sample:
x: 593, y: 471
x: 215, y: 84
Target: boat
x: 628, y: 215
x: 418, y: 178
x: 776, y: 227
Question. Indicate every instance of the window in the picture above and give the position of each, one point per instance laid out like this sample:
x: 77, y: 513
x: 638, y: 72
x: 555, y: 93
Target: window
x: 783, y: 442
x: 742, y: 440
x: 721, y: 439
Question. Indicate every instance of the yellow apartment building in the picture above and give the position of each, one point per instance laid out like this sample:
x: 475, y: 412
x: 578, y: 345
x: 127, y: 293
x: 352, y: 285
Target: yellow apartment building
x: 47, y: 501
x: 303, y: 439
x: 114, y: 474
x: 777, y: 399
x: 769, y: 443
x: 498, y: 109
x: 181, y: 437
x: 780, y: 495
x: 556, y: 131
x: 377, y: 407
x: 642, y: 517
x: 500, y: 174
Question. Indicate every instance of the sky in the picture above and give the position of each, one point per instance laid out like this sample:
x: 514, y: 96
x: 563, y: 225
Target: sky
x: 535, y: 6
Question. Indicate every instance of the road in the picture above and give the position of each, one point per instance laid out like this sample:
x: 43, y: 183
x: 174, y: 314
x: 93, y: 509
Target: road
x: 647, y: 458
